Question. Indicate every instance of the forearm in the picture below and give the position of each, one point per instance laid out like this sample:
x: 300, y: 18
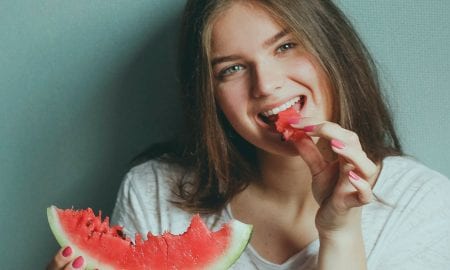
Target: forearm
x: 342, y: 250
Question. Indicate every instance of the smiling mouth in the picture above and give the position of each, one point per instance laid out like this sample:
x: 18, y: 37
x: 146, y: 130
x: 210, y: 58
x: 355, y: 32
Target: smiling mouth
x: 269, y: 117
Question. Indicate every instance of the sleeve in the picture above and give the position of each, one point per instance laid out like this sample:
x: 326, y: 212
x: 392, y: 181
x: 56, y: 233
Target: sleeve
x: 421, y: 239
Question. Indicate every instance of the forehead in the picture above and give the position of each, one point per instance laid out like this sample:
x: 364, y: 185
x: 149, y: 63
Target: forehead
x: 242, y: 24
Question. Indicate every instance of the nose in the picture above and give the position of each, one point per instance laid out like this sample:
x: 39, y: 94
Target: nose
x: 267, y: 78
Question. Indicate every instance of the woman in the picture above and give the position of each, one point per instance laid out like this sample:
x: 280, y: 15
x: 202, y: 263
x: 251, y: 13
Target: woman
x: 311, y: 201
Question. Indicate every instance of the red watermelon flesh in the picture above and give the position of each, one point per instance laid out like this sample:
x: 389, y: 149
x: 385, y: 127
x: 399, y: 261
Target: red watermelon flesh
x: 105, y: 247
x: 283, y: 124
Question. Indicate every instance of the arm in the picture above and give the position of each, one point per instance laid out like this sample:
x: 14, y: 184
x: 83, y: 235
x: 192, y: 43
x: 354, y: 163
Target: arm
x: 342, y: 250
x: 340, y: 187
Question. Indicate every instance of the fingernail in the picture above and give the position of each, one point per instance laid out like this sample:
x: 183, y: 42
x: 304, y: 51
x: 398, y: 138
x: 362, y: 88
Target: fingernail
x: 337, y: 144
x: 353, y: 175
x: 309, y: 128
x: 67, y: 251
x: 78, y: 262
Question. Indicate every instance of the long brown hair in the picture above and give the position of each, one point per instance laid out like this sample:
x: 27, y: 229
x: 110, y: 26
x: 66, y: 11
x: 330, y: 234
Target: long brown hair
x: 220, y: 163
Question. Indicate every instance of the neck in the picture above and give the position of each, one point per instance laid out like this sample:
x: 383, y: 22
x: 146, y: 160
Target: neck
x: 285, y: 179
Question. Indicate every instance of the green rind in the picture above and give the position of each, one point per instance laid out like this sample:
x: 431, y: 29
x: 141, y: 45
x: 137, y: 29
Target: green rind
x: 62, y: 239
x: 241, y: 234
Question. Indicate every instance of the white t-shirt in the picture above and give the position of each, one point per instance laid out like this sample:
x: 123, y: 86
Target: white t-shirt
x: 412, y: 232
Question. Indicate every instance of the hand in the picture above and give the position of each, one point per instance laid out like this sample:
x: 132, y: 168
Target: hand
x: 66, y: 259
x: 340, y: 186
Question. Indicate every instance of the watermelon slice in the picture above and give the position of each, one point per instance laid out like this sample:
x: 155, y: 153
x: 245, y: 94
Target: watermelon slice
x: 106, y: 247
x: 283, y: 124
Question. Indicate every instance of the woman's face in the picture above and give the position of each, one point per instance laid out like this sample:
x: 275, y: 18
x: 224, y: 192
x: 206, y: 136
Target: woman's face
x: 258, y: 66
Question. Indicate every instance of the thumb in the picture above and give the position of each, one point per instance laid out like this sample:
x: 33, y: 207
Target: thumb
x: 310, y: 154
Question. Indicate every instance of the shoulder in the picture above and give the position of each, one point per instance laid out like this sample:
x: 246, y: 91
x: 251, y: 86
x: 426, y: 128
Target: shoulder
x: 415, y: 223
x: 154, y: 172
x: 144, y: 201
x: 418, y: 196
x: 404, y: 166
x: 403, y: 177
x: 152, y: 180
x: 156, y: 181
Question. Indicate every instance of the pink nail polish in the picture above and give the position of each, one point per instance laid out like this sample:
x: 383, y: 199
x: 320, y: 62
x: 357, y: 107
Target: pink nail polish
x: 309, y: 128
x: 67, y: 251
x: 337, y: 144
x: 354, y: 176
x: 78, y: 262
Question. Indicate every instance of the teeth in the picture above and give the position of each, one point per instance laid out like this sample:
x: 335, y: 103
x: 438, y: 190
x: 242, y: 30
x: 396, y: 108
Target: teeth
x: 281, y: 108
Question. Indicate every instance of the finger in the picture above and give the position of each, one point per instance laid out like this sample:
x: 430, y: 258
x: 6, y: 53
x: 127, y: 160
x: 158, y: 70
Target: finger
x: 77, y: 263
x: 344, y: 169
x: 363, y: 193
x: 357, y: 157
x: 61, y: 259
x: 346, y: 144
x: 311, y: 155
x: 325, y: 182
x: 325, y: 129
x: 305, y: 122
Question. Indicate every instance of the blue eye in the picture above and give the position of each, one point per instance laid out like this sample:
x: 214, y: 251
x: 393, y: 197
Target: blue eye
x: 231, y: 70
x: 286, y: 47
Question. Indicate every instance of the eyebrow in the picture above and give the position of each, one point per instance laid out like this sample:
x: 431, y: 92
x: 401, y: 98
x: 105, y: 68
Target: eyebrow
x: 276, y: 37
x: 267, y: 43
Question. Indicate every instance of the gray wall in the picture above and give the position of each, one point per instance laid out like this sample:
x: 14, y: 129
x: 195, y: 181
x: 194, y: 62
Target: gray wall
x: 85, y: 85
x: 410, y: 40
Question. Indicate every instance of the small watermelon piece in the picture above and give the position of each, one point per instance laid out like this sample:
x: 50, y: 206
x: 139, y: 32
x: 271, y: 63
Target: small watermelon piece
x: 104, y: 247
x: 283, y: 124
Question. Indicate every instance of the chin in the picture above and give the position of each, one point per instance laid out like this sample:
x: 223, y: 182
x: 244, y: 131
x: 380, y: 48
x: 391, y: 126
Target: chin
x: 279, y: 148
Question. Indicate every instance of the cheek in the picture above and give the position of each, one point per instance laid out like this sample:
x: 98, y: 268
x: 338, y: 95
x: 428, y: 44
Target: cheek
x: 318, y: 82
x: 232, y: 99
x: 229, y: 108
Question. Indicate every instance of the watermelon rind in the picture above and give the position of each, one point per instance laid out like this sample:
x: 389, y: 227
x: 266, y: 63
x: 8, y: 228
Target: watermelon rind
x: 241, y: 234
x: 63, y: 241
